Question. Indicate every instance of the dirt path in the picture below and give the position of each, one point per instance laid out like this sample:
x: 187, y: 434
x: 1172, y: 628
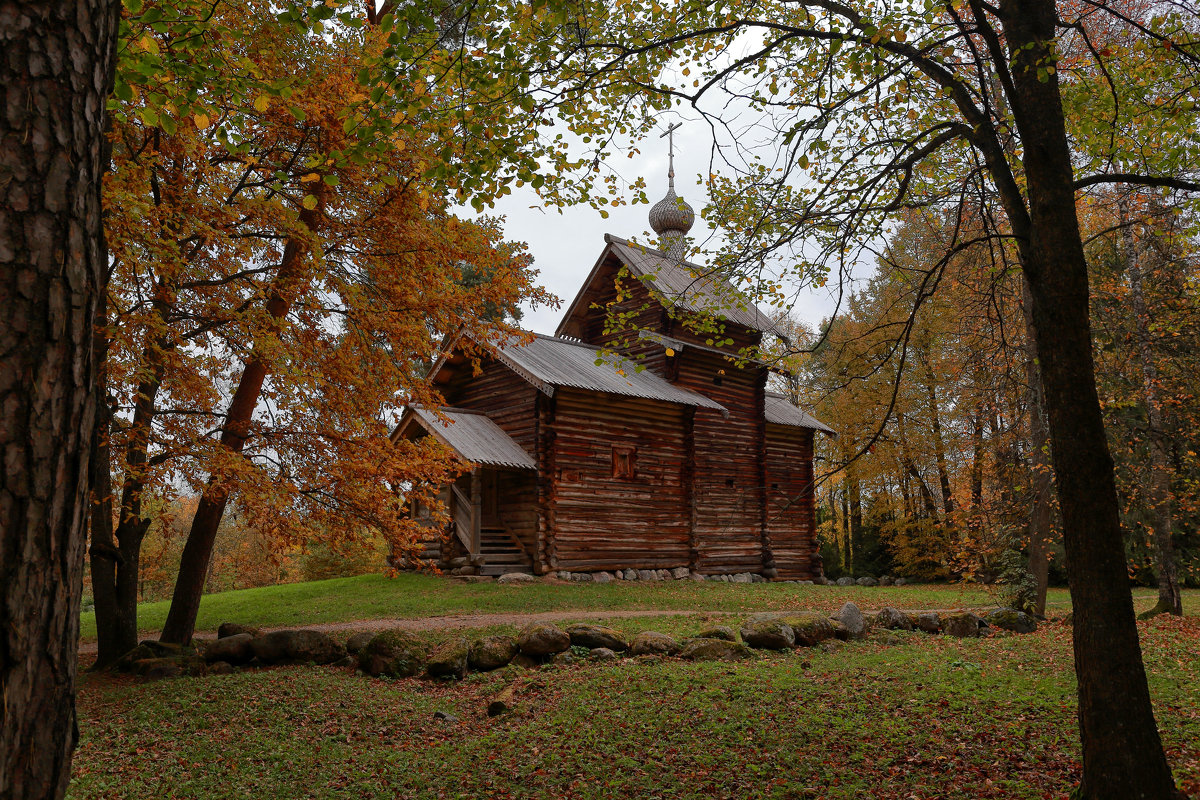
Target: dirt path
x: 452, y: 622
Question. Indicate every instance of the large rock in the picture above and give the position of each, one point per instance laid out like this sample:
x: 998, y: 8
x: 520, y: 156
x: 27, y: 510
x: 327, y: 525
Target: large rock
x: 492, y: 652
x: 394, y: 653
x: 649, y: 643
x: 893, y: 619
x: 852, y: 619
x: 680, y: 573
x: 358, y: 641
x: 227, y: 629
x: 768, y: 634
x: 1010, y: 619
x: 715, y: 650
x: 630, y: 575
x: 867, y: 581
x: 928, y: 621
x: 647, y: 575
x: 845, y: 581
x: 449, y: 659
x: 602, y: 577
x: 233, y: 650
x: 741, y: 577
x: 516, y: 577
x: 602, y: 654
x: 593, y: 636
x: 296, y: 647
x: 962, y: 624
x: 810, y: 628
x: 718, y: 632
x: 541, y: 639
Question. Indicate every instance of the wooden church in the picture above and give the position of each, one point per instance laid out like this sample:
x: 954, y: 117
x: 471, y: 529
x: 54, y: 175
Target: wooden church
x: 670, y: 452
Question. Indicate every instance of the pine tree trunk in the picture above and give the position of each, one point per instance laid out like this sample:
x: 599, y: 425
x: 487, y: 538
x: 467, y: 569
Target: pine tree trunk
x: 1122, y: 752
x: 197, y: 551
x: 56, y: 64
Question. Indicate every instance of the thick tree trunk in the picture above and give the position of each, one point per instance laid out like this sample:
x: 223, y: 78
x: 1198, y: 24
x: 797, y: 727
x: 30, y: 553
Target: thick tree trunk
x: 1158, y: 488
x: 939, y: 445
x: 1122, y: 752
x: 56, y: 64
x: 197, y: 551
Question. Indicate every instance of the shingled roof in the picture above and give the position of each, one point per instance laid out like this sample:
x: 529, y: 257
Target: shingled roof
x: 548, y: 362
x: 677, y: 284
x: 471, y: 434
x: 779, y: 410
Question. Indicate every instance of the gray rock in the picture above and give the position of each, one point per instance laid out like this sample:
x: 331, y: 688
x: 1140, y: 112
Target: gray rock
x: 821, y: 580
x: 852, y: 618
x: 445, y: 717
x: 541, y: 639
x: 618, y: 574
x: 631, y: 575
x: 647, y: 575
x: 564, y: 575
x: 769, y: 634
x: 715, y: 650
x: 394, y: 653
x: 928, y: 621
x: 846, y: 581
x: 581, y: 577
x: 449, y: 659
x: 867, y: 580
x: 602, y: 654
x: 491, y: 652
x: 233, y: 650
x: 810, y: 628
x: 900, y: 581
x: 962, y: 624
x: 464, y: 571
x: 715, y: 578
x: 1010, y: 619
x: 893, y: 619
x: 696, y: 576
x: 756, y: 578
x: 680, y: 573
x: 563, y: 659
x: 227, y: 629
x: 804, y: 583
x: 663, y: 574
x: 358, y: 641
x: 885, y: 580
x: 603, y: 577
x: 741, y: 577
x: 516, y: 577
x: 593, y: 636
x: 719, y: 632
x: 653, y: 643
x: 296, y: 647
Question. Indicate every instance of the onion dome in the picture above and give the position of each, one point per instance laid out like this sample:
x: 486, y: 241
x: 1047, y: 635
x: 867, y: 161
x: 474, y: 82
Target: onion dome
x: 672, y: 218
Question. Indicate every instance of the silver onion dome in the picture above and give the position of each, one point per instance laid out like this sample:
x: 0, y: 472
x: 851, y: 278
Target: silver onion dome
x: 672, y: 218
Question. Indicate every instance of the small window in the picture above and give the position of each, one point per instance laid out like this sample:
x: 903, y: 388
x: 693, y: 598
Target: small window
x: 729, y: 483
x: 624, y: 461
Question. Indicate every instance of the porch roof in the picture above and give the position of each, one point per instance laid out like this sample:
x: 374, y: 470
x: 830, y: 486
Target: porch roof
x: 474, y: 436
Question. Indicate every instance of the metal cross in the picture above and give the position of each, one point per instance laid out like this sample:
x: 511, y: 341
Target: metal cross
x: 670, y: 132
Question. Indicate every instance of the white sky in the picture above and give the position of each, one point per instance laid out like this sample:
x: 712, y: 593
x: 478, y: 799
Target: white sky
x: 566, y: 243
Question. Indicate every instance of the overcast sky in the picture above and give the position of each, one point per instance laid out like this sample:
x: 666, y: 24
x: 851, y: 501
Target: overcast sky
x: 566, y: 243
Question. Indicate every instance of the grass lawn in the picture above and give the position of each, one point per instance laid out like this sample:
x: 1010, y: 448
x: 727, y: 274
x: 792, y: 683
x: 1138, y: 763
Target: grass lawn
x: 927, y: 717
x: 916, y: 717
x: 412, y: 595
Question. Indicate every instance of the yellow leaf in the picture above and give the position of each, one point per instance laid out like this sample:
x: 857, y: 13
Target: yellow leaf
x: 309, y: 202
x: 670, y: 352
x: 310, y: 177
x: 202, y: 121
x: 261, y: 103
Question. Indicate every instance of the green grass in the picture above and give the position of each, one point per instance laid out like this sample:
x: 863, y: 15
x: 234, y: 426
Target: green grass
x: 930, y: 717
x: 413, y: 595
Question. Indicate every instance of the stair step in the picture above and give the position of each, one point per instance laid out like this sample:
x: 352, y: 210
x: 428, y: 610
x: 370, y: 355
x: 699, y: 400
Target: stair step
x: 502, y: 569
x: 506, y: 558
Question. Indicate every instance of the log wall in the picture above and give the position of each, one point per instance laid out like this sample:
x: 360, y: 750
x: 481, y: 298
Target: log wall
x: 601, y: 522
x: 729, y: 495
x: 636, y: 311
x: 507, y: 398
x: 791, y: 501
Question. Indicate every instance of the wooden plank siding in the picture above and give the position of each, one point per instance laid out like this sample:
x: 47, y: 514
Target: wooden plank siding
x: 508, y: 399
x: 791, y: 503
x: 729, y: 491
x: 635, y: 311
x: 602, y: 522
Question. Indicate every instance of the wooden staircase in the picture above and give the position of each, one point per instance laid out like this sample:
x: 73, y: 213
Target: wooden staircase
x: 502, y: 553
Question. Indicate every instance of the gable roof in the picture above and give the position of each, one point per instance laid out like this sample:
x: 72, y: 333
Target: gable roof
x: 676, y: 284
x: 549, y: 362
x: 780, y: 411
x: 471, y: 434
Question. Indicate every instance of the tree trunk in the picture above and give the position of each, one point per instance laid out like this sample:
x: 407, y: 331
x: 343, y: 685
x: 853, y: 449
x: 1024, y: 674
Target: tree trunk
x: 939, y: 445
x: 197, y: 551
x: 1122, y: 752
x: 1041, y: 529
x: 55, y: 74
x: 1158, y: 488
